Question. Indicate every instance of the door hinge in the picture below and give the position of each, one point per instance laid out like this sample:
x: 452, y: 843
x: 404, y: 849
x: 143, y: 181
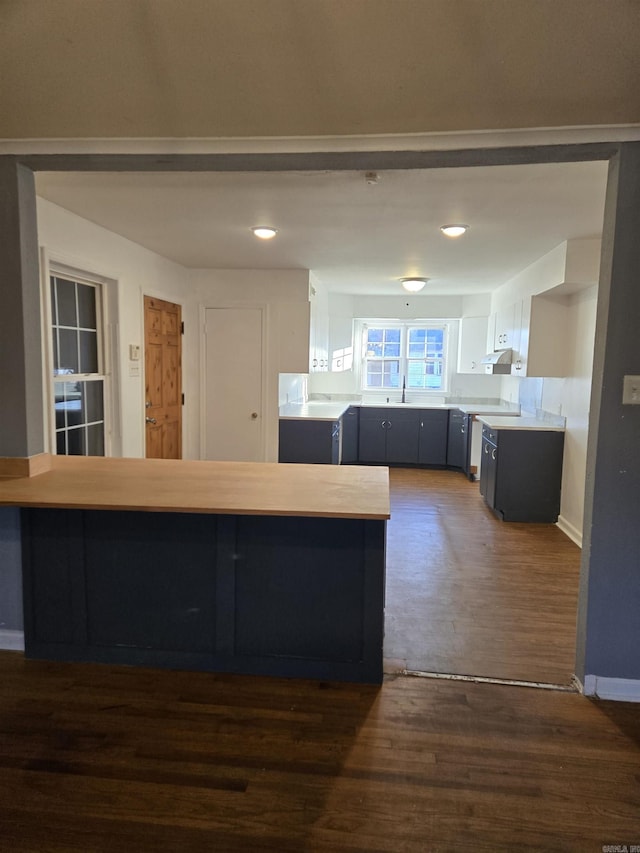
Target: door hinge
x: 183, y: 399
x: 182, y: 327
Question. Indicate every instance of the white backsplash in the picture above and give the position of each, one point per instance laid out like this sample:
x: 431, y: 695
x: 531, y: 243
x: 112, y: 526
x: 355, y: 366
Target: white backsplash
x: 293, y: 388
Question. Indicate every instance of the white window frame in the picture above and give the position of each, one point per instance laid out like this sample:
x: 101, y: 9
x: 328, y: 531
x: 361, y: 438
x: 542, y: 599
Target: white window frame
x: 362, y: 325
x: 54, y: 268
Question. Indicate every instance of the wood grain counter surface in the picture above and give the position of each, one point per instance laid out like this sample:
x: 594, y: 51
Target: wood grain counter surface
x: 227, y: 488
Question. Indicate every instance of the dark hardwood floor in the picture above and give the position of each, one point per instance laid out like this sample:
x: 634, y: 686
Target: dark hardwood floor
x: 472, y: 595
x: 100, y: 758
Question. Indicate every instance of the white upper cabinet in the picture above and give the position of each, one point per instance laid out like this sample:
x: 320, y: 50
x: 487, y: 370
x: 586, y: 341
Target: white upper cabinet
x: 542, y: 346
x: 472, y: 344
x: 503, y: 332
x: 319, y: 329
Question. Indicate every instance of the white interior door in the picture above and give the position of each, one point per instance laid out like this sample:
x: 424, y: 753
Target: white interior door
x: 233, y: 425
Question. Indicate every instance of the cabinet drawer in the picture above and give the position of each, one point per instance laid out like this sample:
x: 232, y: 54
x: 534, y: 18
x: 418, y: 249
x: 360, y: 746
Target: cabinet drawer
x: 489, y: 434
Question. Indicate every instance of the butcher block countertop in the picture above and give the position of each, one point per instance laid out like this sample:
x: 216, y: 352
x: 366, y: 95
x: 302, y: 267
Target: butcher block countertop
x: 227, y: 488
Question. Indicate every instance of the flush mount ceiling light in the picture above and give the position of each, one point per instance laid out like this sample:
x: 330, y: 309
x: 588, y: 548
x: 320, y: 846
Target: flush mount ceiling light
x: 413, y: 284
x: 264, y: 232
x: 454, y: 230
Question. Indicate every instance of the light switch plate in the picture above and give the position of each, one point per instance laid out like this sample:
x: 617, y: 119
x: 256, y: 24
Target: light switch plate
x: 134, y: 352
x: 631, y: 391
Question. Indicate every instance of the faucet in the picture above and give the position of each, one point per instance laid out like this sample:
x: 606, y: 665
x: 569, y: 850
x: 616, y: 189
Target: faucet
x: 403, y: 387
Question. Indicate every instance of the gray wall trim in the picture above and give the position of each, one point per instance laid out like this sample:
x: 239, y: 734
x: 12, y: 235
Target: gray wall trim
x: 610, y: 582
x: 21, y: 413
x: 336, y: 160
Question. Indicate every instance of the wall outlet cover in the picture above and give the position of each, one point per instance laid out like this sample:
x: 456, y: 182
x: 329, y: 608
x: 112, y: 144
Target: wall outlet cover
x: 631, y: 391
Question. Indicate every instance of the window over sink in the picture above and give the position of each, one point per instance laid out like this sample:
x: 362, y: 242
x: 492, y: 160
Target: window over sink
x: 394, y: 353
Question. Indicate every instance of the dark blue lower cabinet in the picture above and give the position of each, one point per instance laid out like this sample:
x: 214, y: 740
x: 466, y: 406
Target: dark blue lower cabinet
x: 308, y: 440
x: 282, y: 596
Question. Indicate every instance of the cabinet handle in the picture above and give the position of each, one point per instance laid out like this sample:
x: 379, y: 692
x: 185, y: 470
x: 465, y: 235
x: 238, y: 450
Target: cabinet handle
x: 389, y: 424
x: 493, y: 453
x: 486, y: 447
x: 473, y: 365
x: 314, y: 363
x: 383, y: 424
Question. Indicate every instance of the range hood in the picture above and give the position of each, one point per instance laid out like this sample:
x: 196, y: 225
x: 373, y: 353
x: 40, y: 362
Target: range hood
x: 497, y: 362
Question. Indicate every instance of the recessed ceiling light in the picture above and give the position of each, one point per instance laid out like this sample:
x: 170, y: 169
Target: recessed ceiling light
x: 454, y: 230
x: 264, y: 232
x: 413, y: 284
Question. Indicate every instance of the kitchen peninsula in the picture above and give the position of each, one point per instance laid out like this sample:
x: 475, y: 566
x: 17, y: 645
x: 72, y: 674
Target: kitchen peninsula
x: 256, y: 568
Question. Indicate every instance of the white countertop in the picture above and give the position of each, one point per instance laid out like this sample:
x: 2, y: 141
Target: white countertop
x: 519, y: 423
x: 319, y: 410
x: 488, y: 409
x: 331, y: 410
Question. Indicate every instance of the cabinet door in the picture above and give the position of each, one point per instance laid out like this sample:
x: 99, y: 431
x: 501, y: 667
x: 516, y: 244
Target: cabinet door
x: 308, y: 441
x: 350, y: 436
x: 402, y: 429
x: 456, y: 445
x: 505, y: 321
x: 372, y: 439
x: 488, y: 472
x: 472, y: 345
x: 434, y: 427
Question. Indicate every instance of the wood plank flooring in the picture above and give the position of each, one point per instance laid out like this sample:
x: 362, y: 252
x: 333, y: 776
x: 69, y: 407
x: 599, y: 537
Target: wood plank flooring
x: 471, y: 595
x: 98, y: 758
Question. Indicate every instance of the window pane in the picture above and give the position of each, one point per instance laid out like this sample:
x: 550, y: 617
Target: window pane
x: 417, y: 335
x: 374, y: 335
x: 392, y: 350
x: 73, y: 403
x: 374, y: 350
x: 56, y: 360
x: 66, y: 302
x: 59, y: 405
x: 76, y: 441
x: 95, y: 440
x: 416, y: 350
x: 391, y: 374
x: 86, y: 306
x: 61, y: 443
x: 88, y: 352
x: 374, y: 380
x: 94, y: 401
x: 68, y: 356
x: 392, y: 335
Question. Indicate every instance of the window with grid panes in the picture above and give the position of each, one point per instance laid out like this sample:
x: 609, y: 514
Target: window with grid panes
x: 403, y: 351
x: 78, y: 378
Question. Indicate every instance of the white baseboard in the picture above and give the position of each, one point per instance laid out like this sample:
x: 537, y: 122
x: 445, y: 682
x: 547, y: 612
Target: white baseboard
x: 616, y: 689
x: 570, y: 530
x: 13, y: 640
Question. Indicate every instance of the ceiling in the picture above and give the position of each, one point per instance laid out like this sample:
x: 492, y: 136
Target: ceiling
x: 249, y: 68
x: 354, y: 236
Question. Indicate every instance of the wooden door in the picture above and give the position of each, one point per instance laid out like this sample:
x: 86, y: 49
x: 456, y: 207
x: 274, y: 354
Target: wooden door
x: 163, y: 379
x: 234, y: 377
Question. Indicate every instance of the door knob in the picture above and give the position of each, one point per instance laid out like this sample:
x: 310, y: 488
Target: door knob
x: 254, y: 415
x: 151, y: 420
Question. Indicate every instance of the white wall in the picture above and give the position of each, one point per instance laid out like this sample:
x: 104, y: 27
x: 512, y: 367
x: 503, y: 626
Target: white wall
x: 135, y: 271
x: 574, y: 267
x: 343, y: 309
x: 285, y: 296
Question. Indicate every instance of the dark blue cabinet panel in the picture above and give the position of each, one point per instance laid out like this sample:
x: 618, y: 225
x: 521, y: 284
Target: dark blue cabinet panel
x: 434, y: 428
x: 308, y: 440
x: 372, y: 442
x: 287, y: 596
x: 350, y: 425
x: 403, y: 433
x: 521, y: 473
